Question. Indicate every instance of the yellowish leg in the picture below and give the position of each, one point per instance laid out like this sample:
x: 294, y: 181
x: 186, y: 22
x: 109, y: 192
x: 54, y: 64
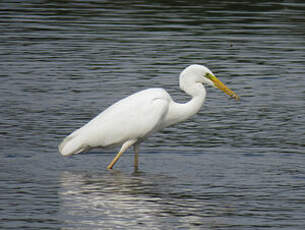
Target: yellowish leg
x: 124, y: 147
x: 136, y: 157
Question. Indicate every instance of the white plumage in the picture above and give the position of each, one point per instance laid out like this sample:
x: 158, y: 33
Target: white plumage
x: 129, y: 121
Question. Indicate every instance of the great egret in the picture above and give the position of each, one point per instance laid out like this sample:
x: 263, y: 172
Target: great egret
x: 132, y: 119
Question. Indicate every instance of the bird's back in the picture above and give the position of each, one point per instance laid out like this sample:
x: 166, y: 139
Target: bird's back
x: 133, y: 117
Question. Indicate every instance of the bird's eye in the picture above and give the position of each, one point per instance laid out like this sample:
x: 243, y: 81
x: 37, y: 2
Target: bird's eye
x: 208, y: 75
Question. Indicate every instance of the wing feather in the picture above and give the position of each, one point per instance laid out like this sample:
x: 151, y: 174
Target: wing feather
x: 134, y: 117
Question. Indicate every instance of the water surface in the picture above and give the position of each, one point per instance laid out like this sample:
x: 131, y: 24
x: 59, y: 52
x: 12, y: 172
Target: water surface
x: 235, y: 165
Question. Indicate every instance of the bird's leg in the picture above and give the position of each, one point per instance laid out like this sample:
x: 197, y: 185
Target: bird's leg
x: 136, y: 157
x: 124, y: 147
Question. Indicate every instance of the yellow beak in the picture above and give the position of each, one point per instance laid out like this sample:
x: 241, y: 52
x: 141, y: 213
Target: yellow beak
x: 223, y: 87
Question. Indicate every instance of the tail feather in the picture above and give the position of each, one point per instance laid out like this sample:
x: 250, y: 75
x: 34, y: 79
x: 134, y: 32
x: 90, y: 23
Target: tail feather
x: 72, y: 145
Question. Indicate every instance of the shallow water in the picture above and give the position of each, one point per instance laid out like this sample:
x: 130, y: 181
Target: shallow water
x: 235, y: 165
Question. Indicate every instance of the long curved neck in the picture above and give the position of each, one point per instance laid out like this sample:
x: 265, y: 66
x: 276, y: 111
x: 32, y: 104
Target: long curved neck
x: 181, y: 111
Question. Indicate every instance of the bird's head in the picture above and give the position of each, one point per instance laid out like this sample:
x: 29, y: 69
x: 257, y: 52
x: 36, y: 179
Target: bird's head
x: 201, y: 74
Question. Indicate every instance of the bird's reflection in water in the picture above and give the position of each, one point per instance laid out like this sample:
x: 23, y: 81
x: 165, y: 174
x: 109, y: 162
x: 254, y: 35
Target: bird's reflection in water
x: 118, y: 200
x: 110, y: 199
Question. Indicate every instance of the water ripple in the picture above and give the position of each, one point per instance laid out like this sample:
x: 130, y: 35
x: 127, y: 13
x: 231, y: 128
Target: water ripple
x: 233, y: 166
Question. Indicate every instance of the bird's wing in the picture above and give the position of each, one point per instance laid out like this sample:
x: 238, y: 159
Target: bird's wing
x: 134, y: 117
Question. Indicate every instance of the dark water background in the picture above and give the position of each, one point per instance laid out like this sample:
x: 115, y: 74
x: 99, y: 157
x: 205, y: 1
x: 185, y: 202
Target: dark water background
x: 233, y: 166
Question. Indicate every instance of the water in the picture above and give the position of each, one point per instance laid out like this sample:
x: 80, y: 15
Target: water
x: 236, y: 165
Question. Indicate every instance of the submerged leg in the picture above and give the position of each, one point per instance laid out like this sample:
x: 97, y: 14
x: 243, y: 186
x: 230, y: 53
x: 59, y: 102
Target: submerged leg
x: 136, y: 157
x: 124, y: 147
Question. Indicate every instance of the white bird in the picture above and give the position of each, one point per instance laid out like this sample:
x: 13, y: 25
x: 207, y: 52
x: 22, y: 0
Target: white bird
x: 131, y: 120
